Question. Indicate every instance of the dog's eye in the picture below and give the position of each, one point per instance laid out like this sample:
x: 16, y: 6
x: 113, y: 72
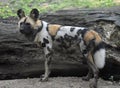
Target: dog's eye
x: 27, y: 23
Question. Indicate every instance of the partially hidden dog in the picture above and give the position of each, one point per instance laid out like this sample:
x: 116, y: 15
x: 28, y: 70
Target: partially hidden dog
x: 44, y: 34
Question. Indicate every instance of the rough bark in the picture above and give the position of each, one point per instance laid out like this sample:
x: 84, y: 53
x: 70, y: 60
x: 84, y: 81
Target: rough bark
x: 21, y: 58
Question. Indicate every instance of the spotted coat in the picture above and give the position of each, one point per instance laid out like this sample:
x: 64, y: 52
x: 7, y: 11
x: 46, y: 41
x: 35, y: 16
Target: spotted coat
x: 44, y: 34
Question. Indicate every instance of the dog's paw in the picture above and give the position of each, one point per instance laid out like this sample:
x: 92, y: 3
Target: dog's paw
x: 85, y: 78
x: 43, y: 78
x: 93, y: 84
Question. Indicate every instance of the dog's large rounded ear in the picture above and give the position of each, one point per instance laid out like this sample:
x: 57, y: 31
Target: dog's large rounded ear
x: 20, y: 13
x: 34, y: 14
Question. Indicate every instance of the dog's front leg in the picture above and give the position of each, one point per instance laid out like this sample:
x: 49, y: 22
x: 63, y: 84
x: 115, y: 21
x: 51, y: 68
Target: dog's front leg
x: 48, y: 57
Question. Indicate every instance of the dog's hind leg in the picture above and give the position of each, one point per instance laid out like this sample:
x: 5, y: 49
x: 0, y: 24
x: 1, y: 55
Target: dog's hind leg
x: 85, y: 54
x: 95, y: 70
x: 89, y: 75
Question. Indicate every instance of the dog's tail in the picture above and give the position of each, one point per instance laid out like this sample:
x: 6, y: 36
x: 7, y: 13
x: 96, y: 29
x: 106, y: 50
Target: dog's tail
x: 99, y: 55
x: 95, y: 45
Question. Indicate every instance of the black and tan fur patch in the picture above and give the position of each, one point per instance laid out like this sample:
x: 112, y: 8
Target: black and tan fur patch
x: 90, y: 35
x: 53, y: 28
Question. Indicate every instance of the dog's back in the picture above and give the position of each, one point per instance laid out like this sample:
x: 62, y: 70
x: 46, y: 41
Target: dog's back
x: 92, y: 42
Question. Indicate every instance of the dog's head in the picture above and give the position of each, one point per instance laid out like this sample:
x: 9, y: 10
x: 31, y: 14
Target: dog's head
x: 28, y: 24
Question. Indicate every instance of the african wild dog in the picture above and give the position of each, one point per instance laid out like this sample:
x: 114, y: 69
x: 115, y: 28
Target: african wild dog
x: 44, y: 34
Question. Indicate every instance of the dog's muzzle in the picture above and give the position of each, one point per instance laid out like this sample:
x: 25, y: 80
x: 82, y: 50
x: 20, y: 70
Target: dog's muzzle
x: 22, y: 31
x: 26, y: 31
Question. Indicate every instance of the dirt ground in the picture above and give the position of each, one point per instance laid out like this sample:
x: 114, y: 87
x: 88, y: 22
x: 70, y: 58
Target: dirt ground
x: 57, y: 82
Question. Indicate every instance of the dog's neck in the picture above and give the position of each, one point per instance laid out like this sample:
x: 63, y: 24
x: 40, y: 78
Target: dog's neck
x: 38, y: 30
x: 52, y: 29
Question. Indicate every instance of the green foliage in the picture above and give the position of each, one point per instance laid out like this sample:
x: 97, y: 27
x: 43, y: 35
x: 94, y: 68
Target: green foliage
x: 10, y: 8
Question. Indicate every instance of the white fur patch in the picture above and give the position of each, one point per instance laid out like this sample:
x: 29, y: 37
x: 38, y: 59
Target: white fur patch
x: 99, y: 58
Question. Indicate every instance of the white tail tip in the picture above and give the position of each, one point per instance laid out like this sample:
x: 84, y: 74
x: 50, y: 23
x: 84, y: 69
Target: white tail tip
x: 99, y: 58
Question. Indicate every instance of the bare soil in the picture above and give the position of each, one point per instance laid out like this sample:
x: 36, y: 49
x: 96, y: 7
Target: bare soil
x: 56, y: 82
